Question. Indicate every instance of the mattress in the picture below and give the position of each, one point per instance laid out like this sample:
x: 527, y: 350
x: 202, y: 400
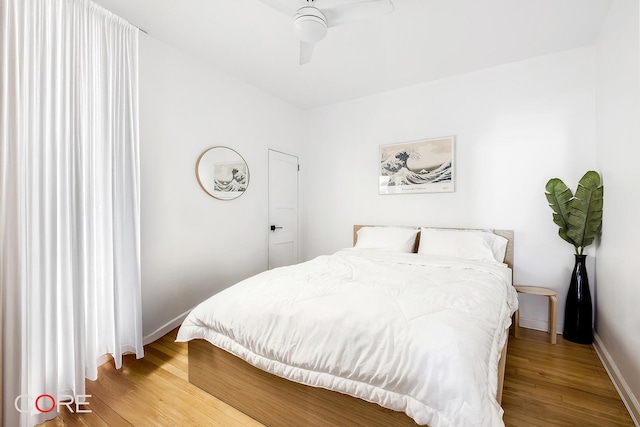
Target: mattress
x: 413, y: 333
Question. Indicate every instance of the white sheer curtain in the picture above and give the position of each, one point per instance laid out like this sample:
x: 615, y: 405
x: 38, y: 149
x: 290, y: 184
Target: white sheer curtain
x: 69, y: 194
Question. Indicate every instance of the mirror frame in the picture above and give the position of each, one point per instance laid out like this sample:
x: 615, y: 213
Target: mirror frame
x: 202, y: 185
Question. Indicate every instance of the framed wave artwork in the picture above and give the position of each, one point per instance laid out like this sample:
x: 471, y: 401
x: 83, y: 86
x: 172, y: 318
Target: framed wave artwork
x: 425, y: 166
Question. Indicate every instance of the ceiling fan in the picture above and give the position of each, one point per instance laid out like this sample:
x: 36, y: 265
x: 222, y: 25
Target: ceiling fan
x: 310, y: 23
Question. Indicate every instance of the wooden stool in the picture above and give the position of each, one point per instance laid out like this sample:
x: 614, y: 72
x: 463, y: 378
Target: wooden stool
x: 534, y: 290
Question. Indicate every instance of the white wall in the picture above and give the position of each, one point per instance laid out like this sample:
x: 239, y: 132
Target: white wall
x: 193, y: 245
x: 516, y: 126
x: 618, y: 149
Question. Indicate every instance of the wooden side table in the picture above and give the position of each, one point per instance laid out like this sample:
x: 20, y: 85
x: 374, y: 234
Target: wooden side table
x: 534, y: 290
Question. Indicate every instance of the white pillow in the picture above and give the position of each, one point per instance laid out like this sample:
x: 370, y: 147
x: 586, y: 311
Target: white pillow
x: 396, y: 239
x: 468, y: 244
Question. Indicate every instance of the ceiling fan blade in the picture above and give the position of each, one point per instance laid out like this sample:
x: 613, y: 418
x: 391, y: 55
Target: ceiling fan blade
x: 356, y: 11
x: 280, y: 6
x: 306, y: 50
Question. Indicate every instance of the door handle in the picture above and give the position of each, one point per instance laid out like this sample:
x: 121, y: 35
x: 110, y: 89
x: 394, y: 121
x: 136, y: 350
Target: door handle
x: 273, y: 228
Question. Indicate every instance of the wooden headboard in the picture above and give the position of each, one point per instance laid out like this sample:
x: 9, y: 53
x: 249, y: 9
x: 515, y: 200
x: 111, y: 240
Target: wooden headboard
x: 507, y: 234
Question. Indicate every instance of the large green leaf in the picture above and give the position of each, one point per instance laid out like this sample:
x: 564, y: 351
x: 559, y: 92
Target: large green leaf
x: 559, y: 197
x: 585, y: 217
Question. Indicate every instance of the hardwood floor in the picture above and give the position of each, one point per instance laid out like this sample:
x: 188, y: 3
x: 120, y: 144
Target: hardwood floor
x: 545, y: 385
x: 558, y: 385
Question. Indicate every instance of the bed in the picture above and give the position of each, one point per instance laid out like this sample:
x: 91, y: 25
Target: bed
x: 400, y: 345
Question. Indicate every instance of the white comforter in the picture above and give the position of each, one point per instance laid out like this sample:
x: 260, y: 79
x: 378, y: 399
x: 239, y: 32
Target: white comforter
x: 410, y: 332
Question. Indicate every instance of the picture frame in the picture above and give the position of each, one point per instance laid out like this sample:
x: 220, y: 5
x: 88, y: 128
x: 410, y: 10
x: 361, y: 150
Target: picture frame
x: 222, y: 173
x: 423, y: 166
x: 229, y: 177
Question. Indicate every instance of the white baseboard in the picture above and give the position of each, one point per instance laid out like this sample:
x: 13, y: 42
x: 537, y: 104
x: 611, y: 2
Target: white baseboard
x: 628, y: 398
x: 165, y: 329
x: 153, y: 336
x: 539, y: 325
x: 104, y: 359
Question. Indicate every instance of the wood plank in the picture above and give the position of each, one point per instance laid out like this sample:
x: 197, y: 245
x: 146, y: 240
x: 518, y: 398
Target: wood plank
x: 178, y: 363
x: 558, y: 385
x: 106, y: 413
x: 166, y: 365
x: 175, y: 354
x: 171, y: 343
x: 267, y: 398
x: 545, y: 386
x: 73, y: 419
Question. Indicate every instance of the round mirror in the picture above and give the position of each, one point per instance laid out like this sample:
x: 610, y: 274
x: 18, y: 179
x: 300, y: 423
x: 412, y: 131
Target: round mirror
x: 222, y: 173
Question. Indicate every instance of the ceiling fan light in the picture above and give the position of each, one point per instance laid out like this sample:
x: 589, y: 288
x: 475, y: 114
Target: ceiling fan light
x: 310, y: 25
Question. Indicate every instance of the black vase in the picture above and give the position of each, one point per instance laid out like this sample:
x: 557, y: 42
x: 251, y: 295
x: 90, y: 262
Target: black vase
x: 578, y: 312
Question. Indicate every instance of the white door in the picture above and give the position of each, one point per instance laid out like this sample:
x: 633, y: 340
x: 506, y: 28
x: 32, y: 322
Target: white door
x: 283, y: 209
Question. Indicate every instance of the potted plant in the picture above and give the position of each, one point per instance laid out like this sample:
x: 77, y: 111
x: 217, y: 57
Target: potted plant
x: 579, y: 218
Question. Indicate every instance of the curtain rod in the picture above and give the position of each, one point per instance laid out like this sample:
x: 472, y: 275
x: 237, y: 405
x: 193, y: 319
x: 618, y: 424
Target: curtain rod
x: 139, y: 29
x: 111, y: 13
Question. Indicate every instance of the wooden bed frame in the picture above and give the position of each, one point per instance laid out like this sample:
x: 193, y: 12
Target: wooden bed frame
x: 278, y: 402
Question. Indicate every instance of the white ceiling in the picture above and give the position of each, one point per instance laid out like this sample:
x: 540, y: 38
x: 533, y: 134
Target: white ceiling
x: 421, y: 40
